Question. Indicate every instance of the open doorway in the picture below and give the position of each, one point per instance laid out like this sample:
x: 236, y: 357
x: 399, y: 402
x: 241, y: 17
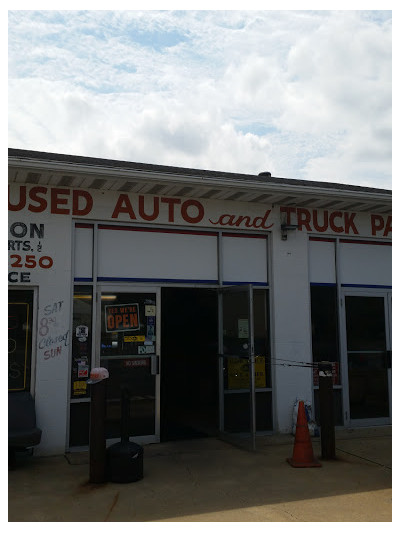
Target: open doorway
x: 189, y: 363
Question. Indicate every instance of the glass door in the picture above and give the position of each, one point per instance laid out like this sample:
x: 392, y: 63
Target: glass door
x: 128, y: 322
x: 237, y: 365
x: 368, y: 358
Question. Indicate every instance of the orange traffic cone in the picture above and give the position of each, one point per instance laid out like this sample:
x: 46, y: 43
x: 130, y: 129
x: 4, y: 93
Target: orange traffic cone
x: 303, y: 455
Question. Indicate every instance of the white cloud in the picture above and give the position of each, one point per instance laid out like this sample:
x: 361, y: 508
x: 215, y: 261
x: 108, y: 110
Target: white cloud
x: 301, y: 94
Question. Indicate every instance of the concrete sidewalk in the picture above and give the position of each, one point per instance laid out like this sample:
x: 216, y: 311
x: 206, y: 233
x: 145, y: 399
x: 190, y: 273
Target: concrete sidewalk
x: 210, y: 480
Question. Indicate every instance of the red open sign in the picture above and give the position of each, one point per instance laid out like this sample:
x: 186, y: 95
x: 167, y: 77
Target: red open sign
x: 122, y: 317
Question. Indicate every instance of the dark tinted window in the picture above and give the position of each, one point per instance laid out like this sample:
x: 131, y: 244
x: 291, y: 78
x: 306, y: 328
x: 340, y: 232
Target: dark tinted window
x: 324, y: 320
x: 20, y: 316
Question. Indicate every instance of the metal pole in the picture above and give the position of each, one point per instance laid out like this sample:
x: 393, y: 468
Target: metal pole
x: 252, y: 371
x: 327, y: 412
x: 97, y: 440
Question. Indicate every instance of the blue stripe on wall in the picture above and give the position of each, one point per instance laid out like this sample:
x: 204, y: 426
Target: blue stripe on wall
x: 323, y: 284
x: 367, y: 286
x: 254, y: 283
x: 160, y: 280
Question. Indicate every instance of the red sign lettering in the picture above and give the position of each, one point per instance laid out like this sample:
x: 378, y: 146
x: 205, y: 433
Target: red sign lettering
x: 171, y: 205
x: 37, y: 201
x: 378, y: 223
x: 236, y: 220
x: 123, y: 205
x: 156, y: 209
x: 314, y: 220
x: 192, y: 219
x: 122, y: 317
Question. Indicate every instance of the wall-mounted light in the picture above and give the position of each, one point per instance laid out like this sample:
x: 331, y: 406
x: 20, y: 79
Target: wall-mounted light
x: 285, y: 228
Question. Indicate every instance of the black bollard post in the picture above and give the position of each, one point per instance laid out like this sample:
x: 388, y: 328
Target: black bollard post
x: 327, y: 412
x: 125, y: 458
x: 97, y: 436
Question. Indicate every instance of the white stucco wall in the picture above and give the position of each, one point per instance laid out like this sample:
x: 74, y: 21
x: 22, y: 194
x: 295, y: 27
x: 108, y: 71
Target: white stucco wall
x: 51, y: 354
x: 289, y: 283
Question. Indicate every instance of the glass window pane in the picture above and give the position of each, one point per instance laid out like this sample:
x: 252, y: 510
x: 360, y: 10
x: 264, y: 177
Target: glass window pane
x: 128, y: 324
x: 128, y: 341
x: 365, y: 323
x: 20, y: 316
x: 236, y: 323
x: 135, y: 376
x: 81, y: 341
x: 366, y: 357
x: 324, y: 320
x: 261, y: 339
x: 79, y: 424
x: 368, y: 385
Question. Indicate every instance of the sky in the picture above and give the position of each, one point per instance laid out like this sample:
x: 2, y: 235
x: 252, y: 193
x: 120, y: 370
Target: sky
x: 303, y: 94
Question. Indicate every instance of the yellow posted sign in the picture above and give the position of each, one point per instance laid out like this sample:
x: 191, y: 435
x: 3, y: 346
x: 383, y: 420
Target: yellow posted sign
x: 239, y: 376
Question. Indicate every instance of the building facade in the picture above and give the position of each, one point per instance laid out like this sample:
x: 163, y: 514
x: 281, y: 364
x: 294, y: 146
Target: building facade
x: 209, y: 296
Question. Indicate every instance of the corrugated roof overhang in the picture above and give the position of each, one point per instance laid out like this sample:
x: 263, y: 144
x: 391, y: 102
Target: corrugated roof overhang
x: 61, y: 170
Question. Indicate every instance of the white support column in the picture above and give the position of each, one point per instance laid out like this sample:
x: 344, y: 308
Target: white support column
x: 291, y: 335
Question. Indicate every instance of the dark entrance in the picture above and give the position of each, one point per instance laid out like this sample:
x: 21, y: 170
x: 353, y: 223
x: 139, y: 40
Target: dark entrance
x: 189, y: 363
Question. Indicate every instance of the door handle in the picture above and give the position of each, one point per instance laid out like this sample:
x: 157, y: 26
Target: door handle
x: 155, y: 365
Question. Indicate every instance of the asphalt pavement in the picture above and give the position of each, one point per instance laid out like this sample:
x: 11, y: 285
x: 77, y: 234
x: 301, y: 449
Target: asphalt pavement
x: 208, y: 480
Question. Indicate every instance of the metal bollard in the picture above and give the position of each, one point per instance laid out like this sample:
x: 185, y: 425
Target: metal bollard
x: 327, y: 413
x: 97, y: 436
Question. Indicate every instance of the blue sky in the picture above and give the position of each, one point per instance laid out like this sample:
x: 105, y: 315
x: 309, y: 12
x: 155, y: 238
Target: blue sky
x: 303, y: 94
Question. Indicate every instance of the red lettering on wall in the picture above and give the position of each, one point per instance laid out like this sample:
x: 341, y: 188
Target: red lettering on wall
x: 171, y: 205
x: 88, y: 203
x: 246, y: 219
x: 319, y: 228
x: 332, y: 217
x: 288, y: 211
x: 233, y: 220
x: 311, y: 220
x: 82, y: 201
x: 123, y: 205
x: 192, y: 219
x: 221, y: 221
x: 21, y: 202
x: 388, y: 227
x: 156, y: 208
x: 349, y: 223
x: 40, y: 200
x: 303, y: 219
x: 57, y: 200
x: 377, y: 223
x: 260, y: 222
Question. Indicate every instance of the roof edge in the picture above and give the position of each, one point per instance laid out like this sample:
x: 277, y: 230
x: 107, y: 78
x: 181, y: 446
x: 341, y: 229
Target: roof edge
x: 165, y: 169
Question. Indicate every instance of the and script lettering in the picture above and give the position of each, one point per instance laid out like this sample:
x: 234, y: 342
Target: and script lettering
x: 243, y: 221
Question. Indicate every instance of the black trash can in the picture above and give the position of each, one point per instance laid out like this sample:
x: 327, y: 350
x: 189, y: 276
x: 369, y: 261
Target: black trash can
x: 125, y: 458
x: 124, y: 462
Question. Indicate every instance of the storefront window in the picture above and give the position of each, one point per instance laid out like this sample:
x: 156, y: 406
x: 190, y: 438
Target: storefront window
x: 20, y: 316
x: 324, y: 323
x: 236, y: 364
x: 81, y: 341
x: 325, y: 341
x: 127, y: 347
